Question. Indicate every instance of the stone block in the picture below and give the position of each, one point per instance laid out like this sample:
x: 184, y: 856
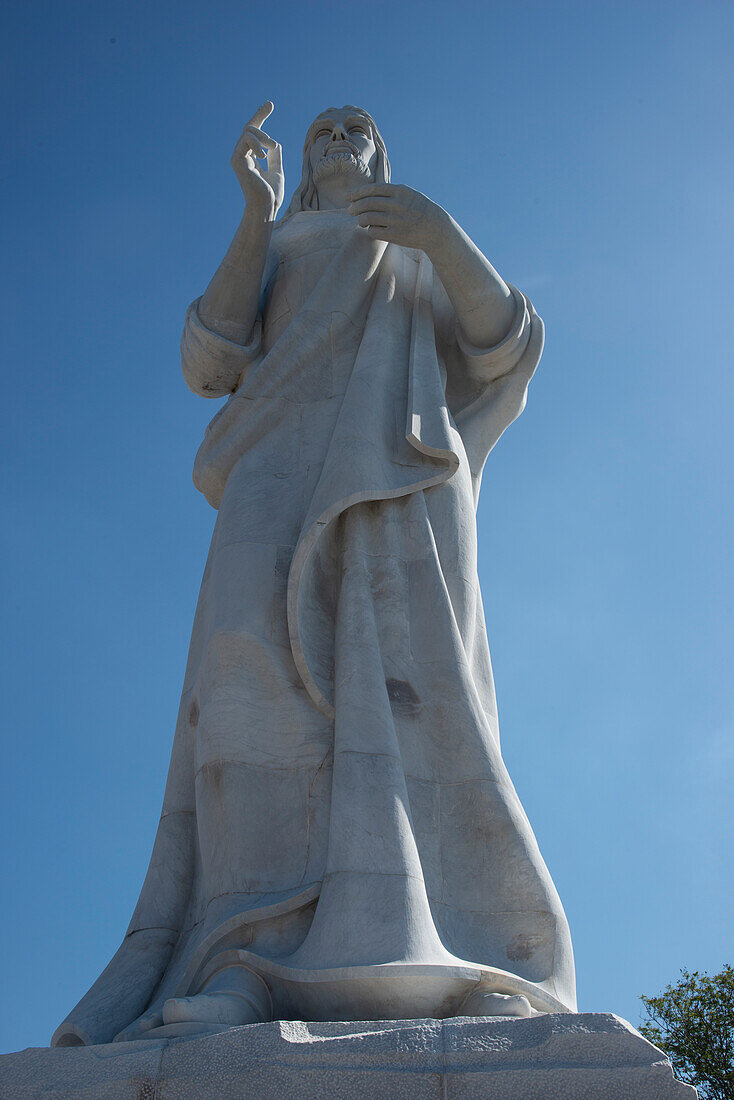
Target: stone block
x: 554, y: 1057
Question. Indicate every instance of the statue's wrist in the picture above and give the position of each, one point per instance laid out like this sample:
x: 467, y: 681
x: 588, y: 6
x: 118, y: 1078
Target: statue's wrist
x: 442, y: 236
x: 263, y: 210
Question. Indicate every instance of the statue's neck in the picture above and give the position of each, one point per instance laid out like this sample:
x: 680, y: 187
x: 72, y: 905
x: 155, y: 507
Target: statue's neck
x: 333, y: 194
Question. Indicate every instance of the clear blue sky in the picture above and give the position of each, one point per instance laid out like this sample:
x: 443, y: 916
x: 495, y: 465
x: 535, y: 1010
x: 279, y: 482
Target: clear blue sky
x: 587, y: 148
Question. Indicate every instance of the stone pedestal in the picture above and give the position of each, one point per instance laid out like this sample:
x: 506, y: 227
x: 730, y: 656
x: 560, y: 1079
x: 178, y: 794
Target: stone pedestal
x: 555, y: 1057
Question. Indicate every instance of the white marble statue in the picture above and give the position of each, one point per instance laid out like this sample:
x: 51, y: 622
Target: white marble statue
x: 340, y: 839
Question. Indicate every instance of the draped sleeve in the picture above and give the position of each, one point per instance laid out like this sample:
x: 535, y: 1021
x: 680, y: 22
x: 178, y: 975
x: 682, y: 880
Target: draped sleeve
x: 486, y: 388
x: 212, y: 365
x: 488, y: 364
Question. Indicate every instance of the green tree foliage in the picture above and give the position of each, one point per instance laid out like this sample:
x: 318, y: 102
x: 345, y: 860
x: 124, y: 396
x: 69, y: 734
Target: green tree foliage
x: 693, y: 1022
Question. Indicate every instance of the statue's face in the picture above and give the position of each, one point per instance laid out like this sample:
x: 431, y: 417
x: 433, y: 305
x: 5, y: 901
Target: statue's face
x: 341, y: 141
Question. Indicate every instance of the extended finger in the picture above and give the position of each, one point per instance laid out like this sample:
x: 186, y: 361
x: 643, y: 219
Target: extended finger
x: 261, y: 113
x: 378, y: 217
x: 254, y: 125
x: 248, y: 144
x: 380, y: 233
x: 261, y: 136
x: 372, y: 202
x: 368, y: 221
x: 383, y: 190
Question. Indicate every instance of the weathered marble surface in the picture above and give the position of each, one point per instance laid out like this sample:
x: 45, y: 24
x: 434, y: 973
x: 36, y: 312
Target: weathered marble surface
x: 340, y: 838
x: 555, y: 1057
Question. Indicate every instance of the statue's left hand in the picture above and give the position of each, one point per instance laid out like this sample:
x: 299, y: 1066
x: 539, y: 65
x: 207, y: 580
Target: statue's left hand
x: 138, y: 1028
x: 392, y: 212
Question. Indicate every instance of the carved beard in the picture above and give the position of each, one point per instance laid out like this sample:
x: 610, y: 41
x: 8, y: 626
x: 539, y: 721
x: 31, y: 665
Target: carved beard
x: 333, y: 164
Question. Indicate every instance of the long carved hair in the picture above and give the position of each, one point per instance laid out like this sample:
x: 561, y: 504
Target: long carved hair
x: 305, y: 197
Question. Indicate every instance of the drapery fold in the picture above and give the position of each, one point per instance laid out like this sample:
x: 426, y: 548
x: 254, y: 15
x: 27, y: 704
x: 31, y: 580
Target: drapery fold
x: 342, y: 589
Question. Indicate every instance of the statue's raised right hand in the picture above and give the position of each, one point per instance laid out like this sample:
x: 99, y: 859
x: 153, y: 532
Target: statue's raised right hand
x: 263, y: 185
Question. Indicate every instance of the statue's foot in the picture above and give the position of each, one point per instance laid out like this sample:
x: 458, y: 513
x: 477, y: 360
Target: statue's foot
x: 230, y: 1009
x: 483, y: 1003
x: 139, y: 1028
x: 232, y: 997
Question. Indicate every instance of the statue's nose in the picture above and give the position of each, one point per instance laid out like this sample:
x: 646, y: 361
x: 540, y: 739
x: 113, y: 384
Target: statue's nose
x: 338, y: 133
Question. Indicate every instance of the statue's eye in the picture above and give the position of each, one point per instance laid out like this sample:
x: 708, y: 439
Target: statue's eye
x: 358, y: 130
x: 321, y: 133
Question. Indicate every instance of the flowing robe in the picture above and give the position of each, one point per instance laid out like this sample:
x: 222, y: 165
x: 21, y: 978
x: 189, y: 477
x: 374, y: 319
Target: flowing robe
x: 338, y: 817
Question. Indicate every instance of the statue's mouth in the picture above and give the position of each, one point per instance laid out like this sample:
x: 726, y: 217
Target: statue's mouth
x: 339, y: 147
